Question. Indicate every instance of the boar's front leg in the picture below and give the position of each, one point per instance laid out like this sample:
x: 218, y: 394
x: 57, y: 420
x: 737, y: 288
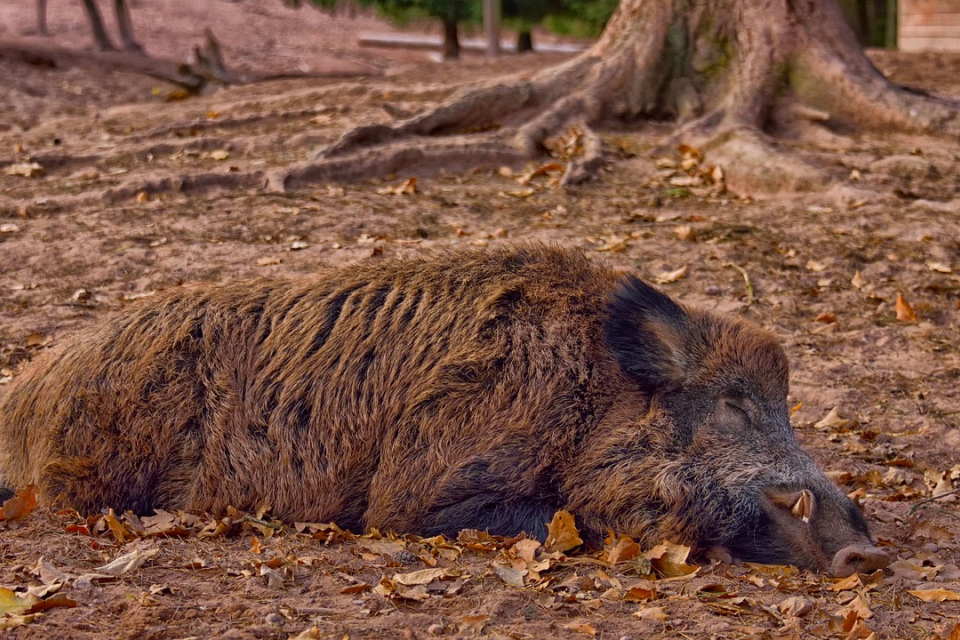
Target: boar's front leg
x: 428, y: 498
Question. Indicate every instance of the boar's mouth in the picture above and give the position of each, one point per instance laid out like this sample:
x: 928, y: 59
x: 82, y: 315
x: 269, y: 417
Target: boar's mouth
x: 823, y: 531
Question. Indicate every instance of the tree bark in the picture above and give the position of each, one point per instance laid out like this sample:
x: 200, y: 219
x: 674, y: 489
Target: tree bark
x: 725, y: 71
x: 125, y: 25
x: 451, y: 40
x: 96, y: 25
x: 524, y: 41
x: 42, y: 18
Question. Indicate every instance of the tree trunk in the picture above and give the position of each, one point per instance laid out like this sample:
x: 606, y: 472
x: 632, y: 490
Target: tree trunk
x: 42, y: 17
x: 96, y: 25
x: 125, y: 24
x: 451, y: 40
x: 524, y: 41
x: 729, y: 73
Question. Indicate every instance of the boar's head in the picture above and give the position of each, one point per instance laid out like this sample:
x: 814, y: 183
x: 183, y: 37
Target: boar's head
x: 728, y: 473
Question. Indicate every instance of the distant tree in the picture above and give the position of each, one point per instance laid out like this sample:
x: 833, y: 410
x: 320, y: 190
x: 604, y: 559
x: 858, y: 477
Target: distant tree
x: 870, y: 20
x: 124, y: 24
x: 526, y: 14
x: 583, y: 18
x: 450, y: 13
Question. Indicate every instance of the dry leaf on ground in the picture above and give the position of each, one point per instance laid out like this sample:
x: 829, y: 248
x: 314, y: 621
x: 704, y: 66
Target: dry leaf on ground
x: 670, y: 560
x: 832, y: 420
x: 20, y: 505
x: 127, y: 562
x: 408, y: 187
x: 905, y: 313
x: 935, y: 595
x: 562, y: 534
x: 671, y: 276
x: 655, y: 614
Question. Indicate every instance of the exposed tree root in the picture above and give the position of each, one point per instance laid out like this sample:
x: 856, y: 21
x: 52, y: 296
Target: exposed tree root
x: 721, y: 68
x: 190, y: 77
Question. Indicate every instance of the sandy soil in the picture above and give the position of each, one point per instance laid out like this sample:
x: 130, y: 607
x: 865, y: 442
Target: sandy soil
x: 115, y: 217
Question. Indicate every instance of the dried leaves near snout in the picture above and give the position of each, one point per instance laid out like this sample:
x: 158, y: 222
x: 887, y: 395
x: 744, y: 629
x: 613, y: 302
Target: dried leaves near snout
x: 313, y: 580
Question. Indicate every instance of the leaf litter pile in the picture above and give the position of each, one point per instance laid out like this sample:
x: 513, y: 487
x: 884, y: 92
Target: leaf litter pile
x: 316, y: 580
x: 861, y: 283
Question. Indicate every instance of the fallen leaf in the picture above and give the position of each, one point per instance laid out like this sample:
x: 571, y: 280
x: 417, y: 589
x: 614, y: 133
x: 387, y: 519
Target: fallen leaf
x: 21, y: 504
x: 656, y: 614
x: 25, y: 169
x: 553, y: 167
x: 116, y: 528
x: 510, y: 575
x: 671, y: 276
x: 360, y: 587
x: 562, y: 534
x: 620, y: 549
x: 832, y: 420
x: 472, y: 625
x: 268, y: 261
x: 219, y: 154
x: 46, y: 604
x: 581, y: 627
x: 526, y: 549
x: 826, y: 317
x: 796, y: 607
x: 310, y: 633
x: 685, y: 233
x: 641, y: 592
x: 905, y: 312
x: 12, y: 604
x: 815, y: 266
x: 858, y: 605
x: 670, y: 560
x: 127, y: 562
x: 274, y: 579
x: 423, y: 576
x: 858, y: 281
x: 407, y: 187
x: 48, y: 573
x: 9, y: 227
x: 939, y: 267
x: 847, y: 584
x: 935, y: 595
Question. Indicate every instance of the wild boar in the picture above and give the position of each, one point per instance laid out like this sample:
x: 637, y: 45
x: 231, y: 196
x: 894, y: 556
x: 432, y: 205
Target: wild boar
x: 465, y: 390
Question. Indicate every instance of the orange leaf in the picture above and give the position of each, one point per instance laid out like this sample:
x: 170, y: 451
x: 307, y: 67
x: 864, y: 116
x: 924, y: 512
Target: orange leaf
x: 905, y: 312
x: 581, y: 627
x: 52, y: 602
x: 935, y: 595
x: 562, y: 534
x: 670, y: 560
x: 621, y: 549
x: 20, y: 505
x: 116, y: 528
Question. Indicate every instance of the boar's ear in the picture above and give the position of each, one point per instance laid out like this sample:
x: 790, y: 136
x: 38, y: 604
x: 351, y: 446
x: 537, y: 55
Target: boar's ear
x: 649, y: 334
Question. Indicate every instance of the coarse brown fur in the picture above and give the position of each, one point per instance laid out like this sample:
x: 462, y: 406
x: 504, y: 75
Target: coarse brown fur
x: 472, y: 389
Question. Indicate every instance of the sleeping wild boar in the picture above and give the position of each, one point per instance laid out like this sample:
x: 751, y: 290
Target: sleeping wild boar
x: 468, y: 390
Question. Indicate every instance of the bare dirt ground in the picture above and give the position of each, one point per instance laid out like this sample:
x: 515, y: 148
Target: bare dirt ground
x: 115, y: 216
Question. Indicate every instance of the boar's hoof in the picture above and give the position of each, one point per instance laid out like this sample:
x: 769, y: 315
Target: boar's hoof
x: 858, y: 558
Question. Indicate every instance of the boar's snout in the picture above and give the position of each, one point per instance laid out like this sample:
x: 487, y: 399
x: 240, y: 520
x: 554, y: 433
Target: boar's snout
x: 856, y: 558
x: 821, y: 528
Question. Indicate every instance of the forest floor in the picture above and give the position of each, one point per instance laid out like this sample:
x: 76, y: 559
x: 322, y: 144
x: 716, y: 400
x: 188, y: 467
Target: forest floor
x: 104, y: 221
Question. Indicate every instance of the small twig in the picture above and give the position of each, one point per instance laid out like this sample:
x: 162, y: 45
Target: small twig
x: 932, y: 498
x: 751, y: 298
